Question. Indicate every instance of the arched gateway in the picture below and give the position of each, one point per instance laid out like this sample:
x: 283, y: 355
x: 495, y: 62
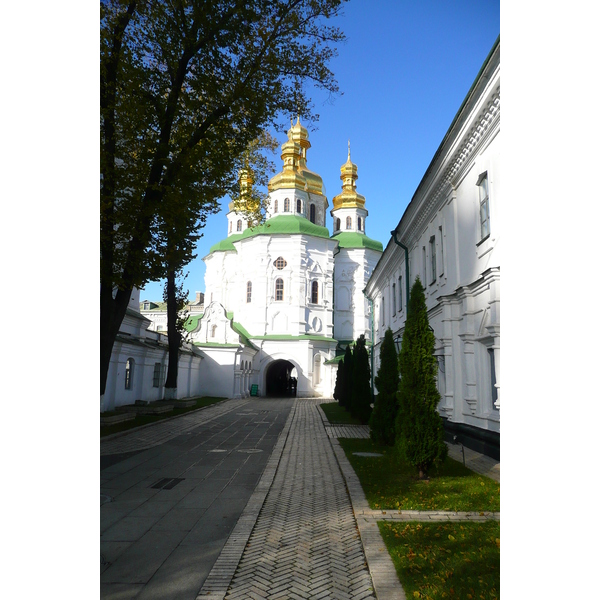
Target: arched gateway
x: 281, y: 378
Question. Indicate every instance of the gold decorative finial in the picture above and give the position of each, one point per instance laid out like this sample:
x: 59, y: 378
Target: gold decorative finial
x: 348, y: 149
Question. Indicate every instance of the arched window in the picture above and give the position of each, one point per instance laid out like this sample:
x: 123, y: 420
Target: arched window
x: 359, y: 224
x: 348, y: 222
x: 338, y: 224
x: 312, y: 213
x: 279, y: 289
x: 230, y: 226
x: 249, y: 292
x: 239, y: 225
x: 299, y: 206
x: 213, y: 331
x: 286, y: 205
x: 314, y: 292
x: 276, y: 207
x: 129, y: 373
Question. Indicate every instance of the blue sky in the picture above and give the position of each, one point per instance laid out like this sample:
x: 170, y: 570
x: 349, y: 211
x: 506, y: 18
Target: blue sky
x: 404, y: 72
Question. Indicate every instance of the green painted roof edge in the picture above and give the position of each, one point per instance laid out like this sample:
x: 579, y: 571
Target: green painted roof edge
x: 215, y: 345
x: 351, y: 239
x: 334, y: 361
x: 244, y: 335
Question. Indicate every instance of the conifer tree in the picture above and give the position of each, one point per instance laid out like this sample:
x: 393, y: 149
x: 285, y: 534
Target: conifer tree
x: 419, y: 428
x: 360, y: 403
x: 383, y: 417
x: 338, y: 391
x: 348, y: 368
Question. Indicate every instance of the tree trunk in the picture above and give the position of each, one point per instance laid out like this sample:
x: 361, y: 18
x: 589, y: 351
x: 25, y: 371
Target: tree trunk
x: 112, y: 312
x: 174, y: 335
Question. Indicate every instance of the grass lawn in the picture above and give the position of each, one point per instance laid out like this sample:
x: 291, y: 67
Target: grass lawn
x: 145, y: 419
x: 445, y: 560
x: 338, y: 415
x: 433, y: 560
x: 390, y: 483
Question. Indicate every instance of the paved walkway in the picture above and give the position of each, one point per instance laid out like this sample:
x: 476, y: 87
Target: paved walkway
x: 306, y: 530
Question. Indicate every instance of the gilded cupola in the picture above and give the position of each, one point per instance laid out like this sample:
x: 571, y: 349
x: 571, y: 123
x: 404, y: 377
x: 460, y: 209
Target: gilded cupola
x: 295, y: 173
x: 349, y: 198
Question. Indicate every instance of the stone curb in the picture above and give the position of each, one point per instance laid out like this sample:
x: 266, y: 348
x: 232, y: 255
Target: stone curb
x: 219, y: 579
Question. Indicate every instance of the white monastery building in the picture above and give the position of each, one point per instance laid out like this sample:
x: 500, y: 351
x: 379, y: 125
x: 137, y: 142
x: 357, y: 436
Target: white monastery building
x: 449, y: 236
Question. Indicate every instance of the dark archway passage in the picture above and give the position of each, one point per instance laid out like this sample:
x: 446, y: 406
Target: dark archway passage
x: 279, y: 379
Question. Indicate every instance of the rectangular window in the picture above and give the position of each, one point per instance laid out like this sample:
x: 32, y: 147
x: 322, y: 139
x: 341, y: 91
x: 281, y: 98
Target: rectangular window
x: 314, y: 293
x: 382, y: 311
x: 393, y: 298
x: 484, y: 205
x: 400, y: 292
x: 432, y: 257
x: 441, y: 251
x: 424, y: 258
x: 493, y: 378
x: 156, y: 375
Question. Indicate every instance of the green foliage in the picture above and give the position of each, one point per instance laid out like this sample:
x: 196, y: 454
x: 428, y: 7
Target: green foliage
x: 419, y: 428
x: 348, y: 378
x: 360, y: 399
x: 382, y: 421
x: 338, y: 415
x: 338, y: 391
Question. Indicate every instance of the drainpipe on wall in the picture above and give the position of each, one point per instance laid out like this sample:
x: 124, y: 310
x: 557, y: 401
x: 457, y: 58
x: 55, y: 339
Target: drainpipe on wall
x: 394, y: 233
x: 372, y: 346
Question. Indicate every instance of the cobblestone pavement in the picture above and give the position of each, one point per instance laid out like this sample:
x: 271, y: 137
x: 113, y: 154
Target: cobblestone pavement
x: 305, y: 543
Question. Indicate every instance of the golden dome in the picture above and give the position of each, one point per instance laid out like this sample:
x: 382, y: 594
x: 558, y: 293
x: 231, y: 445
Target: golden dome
x: 245, y: 202
x: 295, y: 173
x: 349, y: 198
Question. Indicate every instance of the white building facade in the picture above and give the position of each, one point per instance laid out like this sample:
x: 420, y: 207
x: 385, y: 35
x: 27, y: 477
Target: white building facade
x: 139, y: 360
x: 449, y: 236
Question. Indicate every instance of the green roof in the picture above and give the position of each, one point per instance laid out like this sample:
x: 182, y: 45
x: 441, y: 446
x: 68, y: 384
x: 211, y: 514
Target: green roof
x: 287, y: 225
x: 351, y: 239
x: 226, y: 244
x: 192, y: 322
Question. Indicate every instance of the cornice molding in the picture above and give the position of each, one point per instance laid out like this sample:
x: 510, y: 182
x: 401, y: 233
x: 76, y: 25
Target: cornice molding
x: 452, y: 168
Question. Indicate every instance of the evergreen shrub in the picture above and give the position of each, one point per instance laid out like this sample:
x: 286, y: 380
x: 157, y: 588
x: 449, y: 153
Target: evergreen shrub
x: 360, y: 404
x: 419, y: 428
x: 383, y: 417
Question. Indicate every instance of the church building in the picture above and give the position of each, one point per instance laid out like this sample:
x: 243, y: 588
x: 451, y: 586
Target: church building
x: 284, y: 298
